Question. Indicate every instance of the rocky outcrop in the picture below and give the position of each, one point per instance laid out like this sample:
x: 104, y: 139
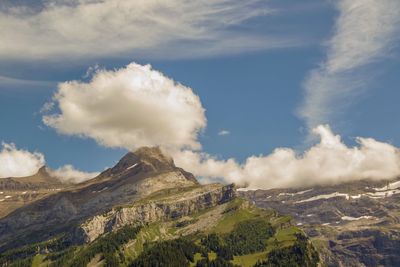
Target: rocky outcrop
x: 151, y: 210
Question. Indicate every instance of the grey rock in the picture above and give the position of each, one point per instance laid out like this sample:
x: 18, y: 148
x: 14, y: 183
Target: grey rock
x: 180, y: 205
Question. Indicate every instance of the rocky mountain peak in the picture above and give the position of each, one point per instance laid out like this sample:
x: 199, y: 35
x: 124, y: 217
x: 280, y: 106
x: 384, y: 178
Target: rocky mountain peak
x: 155, y: 156
x: 45, y: 174
x: 43, y: 170
x: 149, y: 158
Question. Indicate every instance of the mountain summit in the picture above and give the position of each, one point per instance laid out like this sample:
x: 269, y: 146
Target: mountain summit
x: 145, y: 160
x: 151, y: 157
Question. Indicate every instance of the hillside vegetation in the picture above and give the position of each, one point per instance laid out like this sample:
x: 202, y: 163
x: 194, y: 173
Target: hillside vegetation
x: 232, y: 234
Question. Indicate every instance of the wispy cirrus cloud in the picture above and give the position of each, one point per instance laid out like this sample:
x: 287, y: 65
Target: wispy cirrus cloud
x: 365, y: 32
x: 108, y: 28
x: 12, y: 83
x: 224, y: 132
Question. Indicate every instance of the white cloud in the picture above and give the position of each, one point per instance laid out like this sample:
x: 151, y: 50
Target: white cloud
x: 365, y: 32
x: 68, y: 173
x: 47, y: 107
x: 328, y: 162
x: 130, y: 107
x: 174, y: 28
x: 17, y: 162
x: 224, y: 132
x: 138, y: 106
x: 8, y: 82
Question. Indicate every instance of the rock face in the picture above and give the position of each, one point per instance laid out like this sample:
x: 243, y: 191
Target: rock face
x: 357, y: 223
x: 372, y: 247
x: 137, y: 175
x: 152, y: 210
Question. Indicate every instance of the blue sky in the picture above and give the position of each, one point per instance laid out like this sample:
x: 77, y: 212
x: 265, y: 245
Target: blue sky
x: 250, y: 72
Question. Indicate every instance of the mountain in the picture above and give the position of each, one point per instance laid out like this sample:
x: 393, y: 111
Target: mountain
x: 41, y: 180
x: 135, y: 176
x: 145, y: 211
x: 17, y: 192
x: 354, y: 224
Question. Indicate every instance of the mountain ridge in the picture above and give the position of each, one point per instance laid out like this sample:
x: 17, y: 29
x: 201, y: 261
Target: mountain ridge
x: 355, y: 223
x: 145, y: 211
x: 42, y: 179
x: 16, y: 192
x: 135, y: 176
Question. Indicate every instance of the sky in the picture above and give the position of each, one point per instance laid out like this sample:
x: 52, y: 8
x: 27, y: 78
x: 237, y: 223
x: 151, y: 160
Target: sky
x: 260, y: 93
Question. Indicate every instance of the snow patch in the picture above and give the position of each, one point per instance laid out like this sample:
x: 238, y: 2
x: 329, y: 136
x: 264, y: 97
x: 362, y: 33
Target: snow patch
x: 243, y: 189
x: 383, y: 194
x: 327, y: 196
x: 133, y: 166
x: 101, y: 190
x: 293, y: 194
x: 375, y: 195
x: 389, y: 186
x: 349, y: 218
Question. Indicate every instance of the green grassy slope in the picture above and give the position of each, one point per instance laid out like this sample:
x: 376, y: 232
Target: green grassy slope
x: 232, y: 234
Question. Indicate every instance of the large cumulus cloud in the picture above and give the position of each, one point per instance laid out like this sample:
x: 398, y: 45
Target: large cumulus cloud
x: 130, y: 107
x: 328, y: 162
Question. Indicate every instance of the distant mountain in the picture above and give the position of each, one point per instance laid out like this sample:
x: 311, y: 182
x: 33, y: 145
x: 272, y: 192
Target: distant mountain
x: 41, y: 180
x: 17, y: 192
x: 354, y: 224
x: 145, y: 211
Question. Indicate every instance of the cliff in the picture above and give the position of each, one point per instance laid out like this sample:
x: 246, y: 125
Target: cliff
x: 159, y: 207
